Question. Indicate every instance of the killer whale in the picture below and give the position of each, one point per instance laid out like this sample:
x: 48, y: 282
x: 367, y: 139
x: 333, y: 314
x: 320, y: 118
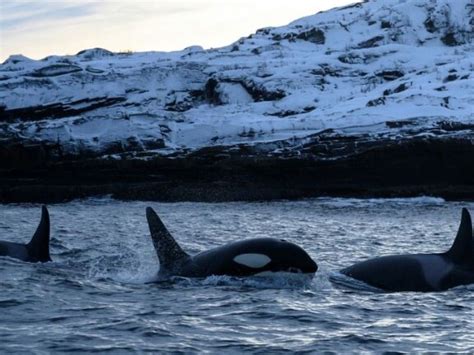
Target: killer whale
x: 37, y: 250
x: 251, y: 257
x: 422, y: 272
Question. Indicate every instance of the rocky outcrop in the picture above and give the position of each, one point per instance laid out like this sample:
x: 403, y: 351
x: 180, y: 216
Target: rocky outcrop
x: 58, y: 110
x: 336, y: 163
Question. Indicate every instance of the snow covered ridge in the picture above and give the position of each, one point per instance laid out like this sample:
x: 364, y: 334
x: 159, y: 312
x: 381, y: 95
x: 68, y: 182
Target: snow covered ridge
x: 374, y: 68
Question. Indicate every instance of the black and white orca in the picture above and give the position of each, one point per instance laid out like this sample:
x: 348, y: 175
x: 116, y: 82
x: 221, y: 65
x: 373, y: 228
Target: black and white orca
x: 252, y: 257
x: 37, y: 250
x: 422, y: 272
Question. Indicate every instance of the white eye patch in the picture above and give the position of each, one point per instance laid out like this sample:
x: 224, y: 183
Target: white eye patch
x: 254, y: 261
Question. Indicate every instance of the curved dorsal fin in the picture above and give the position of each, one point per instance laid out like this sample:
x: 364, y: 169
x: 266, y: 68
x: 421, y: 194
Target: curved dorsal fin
x: 38, y: 247
x: 462, y: 250
x: 169, y: 252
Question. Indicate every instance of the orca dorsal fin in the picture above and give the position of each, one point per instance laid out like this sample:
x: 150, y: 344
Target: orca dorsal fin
x: 38, y: 247
x: 168, y: 250
x: 462, y: 250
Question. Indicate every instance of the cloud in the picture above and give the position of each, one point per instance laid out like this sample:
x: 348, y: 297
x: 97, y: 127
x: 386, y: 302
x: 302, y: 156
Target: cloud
x: 28, y: 15
x: 43, y: 27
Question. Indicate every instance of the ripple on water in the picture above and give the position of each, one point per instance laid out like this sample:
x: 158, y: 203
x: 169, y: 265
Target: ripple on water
x: 95, y: 297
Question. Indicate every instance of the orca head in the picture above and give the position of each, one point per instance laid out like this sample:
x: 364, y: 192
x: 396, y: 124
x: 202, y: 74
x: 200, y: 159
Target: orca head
x: 298, y: 259
x: 279, y: 256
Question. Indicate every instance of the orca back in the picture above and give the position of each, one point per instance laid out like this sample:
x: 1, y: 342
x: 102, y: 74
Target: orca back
x: 393, y: 273
x: 422, y: 272
x: 242, y: 258
x: 37, y: 250
x: 14, y: 250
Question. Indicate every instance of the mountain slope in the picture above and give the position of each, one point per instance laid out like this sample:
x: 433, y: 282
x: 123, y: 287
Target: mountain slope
x: 329, y: 86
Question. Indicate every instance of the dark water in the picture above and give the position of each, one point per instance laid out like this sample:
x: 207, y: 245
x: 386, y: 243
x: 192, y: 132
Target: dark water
x: 94, y: 296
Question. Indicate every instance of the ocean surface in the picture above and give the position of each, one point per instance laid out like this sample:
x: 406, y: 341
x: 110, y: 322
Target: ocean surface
x: 96, y: 295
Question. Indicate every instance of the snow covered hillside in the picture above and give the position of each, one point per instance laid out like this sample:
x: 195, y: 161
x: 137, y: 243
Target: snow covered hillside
x: 380, y: 69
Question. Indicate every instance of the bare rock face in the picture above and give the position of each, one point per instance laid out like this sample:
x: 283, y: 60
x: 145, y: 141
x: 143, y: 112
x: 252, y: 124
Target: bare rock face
x: 337, y: 90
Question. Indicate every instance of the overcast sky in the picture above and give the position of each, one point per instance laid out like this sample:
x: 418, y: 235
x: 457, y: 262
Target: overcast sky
x: 43, y: 27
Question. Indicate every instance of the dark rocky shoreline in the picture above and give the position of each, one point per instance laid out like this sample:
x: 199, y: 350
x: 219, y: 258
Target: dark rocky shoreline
x: 416, y: 167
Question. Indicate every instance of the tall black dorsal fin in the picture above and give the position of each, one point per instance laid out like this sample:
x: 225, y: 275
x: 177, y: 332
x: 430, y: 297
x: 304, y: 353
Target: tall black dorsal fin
x: 169, y: 252
x: 38, y: 247
x: 462, y: 249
